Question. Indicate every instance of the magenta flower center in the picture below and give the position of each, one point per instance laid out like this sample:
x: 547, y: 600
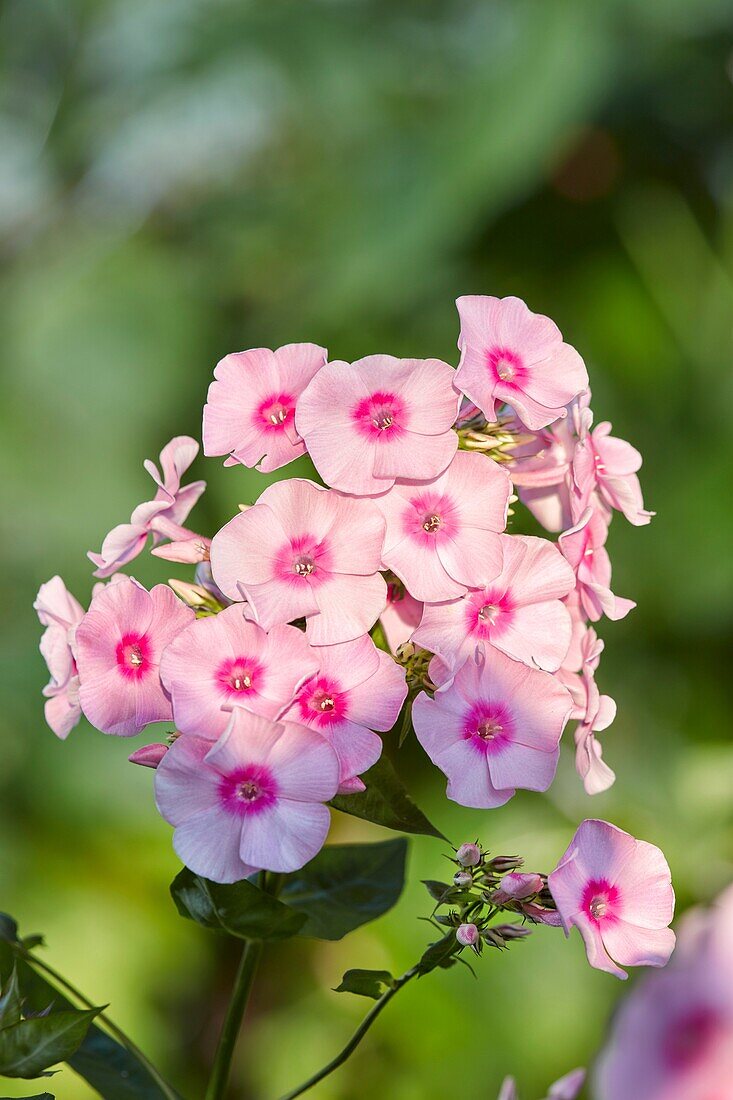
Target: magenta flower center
x: 488, y: 612
x: 248, y: 790
x: 321, y: 702
x: 238, y: 675
x: 380, y: 416
x: 430, y: 515
x: 505, y: 365
x: 133, y: 655
x: 600, y: 900
x: 690, y: 1037
x: 303, y: 558
x: 489, y: 726
x: 276, y: 410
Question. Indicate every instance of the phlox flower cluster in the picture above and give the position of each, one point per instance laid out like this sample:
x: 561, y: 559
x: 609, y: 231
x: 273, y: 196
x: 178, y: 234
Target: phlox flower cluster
x: 317, y: 610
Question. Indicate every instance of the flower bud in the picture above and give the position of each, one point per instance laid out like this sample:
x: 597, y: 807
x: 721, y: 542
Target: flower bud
x: 517, y: 887
x: 461, y: 879
x: 469, y: 855
x: 149, y: 755
x: 512, y: 931
x: 502, y: 864
x: 467, y: 935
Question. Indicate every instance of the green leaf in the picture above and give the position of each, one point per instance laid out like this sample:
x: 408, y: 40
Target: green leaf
x: 11, y: 1001
x: 30, y: 1047
x: 346, y: 885
x: 440, y: 953
x: 239, y: 908
x: 386, y: 802
x: 8, y: 929
x: 438, y: 890
x: 366, y: 983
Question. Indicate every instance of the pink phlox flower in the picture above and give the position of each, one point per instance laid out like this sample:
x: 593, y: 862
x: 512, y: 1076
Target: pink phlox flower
x: 149, y: 756
x: 253, y: 800
x: 305, y: 551
x: 512, y: 356
x: 368, y: 423
x: 519, y: 612
x: 250, y: 410
x: 442, y: 535
x: 162, y: 517
x: 607, y: 465
x: 583, y: 546
x: 357, y: 689
x: 400, y: 617
x: 494, y: 727
x: 223, y: 661
x: 573, y: 660
x: 617, y: 891
x: 60, y: 613
x: 594, y: 712
x: 119, y: 645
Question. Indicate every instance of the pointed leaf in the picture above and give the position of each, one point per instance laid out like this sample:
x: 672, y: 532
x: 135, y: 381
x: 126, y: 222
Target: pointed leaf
x: 386, y: 802
x: 440, y: 953
x: 239, y: 908
x: 366, y: 983
x: 346, y: 885
x: 11, y: 1001
x: 32, y: 1046
x: 8, y: 928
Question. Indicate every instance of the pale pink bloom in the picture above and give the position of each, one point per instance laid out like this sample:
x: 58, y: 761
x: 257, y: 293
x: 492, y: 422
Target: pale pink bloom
x: 467, y: 935
x: 672, y: 1037
x: 223, y: 661
x: 149, y: 756
x: 442, y: 535
x: 512, y: 356
x: 119, y: 644
x: 495, y: 727
x: 595, y: 713
x: 519, y: 612
x: 60, y: 613
x: 617, y: 891
x: 304, y: 551
x: 583, y: 546
x: 250, y: 410
x: 608, y: 465
x: 162, y: 517
x: 358, y: 689
x: 400, y: 616
x: 254, y: 800
x: 368, y: 423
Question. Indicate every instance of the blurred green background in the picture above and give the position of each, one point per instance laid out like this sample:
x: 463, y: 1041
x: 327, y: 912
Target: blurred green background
x: 181, y: 179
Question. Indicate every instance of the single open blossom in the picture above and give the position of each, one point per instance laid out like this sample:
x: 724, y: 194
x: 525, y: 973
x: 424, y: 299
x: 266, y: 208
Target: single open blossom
x: 368, y: 423
x: 618, y: 892
x: 60, y: 613
x: 595, y: 713
x: 512, y: 356
x: 583, y: 547
x: 607, y: 465
x: 119, y: 644
x: 162, y: 517
x: 253, y: 800
x: 519, y: 612
x: 400, y: 617
x: 358, y: 689
x: 223, y: 661
x: 672, y: 1037
x: 304, y: 551
x: 442, y: 535
x: 495, y: 727
x: 250, y: 410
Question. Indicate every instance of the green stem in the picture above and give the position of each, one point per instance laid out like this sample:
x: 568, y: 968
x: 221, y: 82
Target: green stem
x: 355, y: 1039
x: 233, y: 1020
x: 112, y: 1028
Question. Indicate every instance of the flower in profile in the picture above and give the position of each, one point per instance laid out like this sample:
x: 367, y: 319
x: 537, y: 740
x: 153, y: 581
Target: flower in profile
x: 358, y: 689
x: 494, y: 727
x: 583, y: 547
x: 162, y: 517
x: 250, y: 410
x: 519, y: 613
x: 512, y: 356
x: 368, y: 423
x: 672, y: 1037
x: 595, y: 713
x: 442, y: 536
x: 119, y: 644
x: 149, y: 756
x: 618, y: 892
x: 304, y: 551
x: 60, y: 613
x: 223, y: 661
x: 607, y: 465
x: 253, y: 800
x: 400, y: 617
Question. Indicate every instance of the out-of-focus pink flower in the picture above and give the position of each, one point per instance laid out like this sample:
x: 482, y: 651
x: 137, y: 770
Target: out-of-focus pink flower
x: 162, y: 517
x: 618, y: 892
x: 442, y: 536
x: 224, y: 661
x: 608, y: 465
x: 119, y: 644
x: 672, y: 1037
x: 358, y: 689
x: 511, y: 355
x: 567, y: 1088
x: 149, y: 756
x: 519, y: 612
x: 583, y: 546
x: 368, y: 423
x: 254, y: 800
x: 250, y: 410
x: 493, y: 728
x: 60, y: 613
x: 595, y: 713
x: 304, y: 551
x: 400, y: 616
